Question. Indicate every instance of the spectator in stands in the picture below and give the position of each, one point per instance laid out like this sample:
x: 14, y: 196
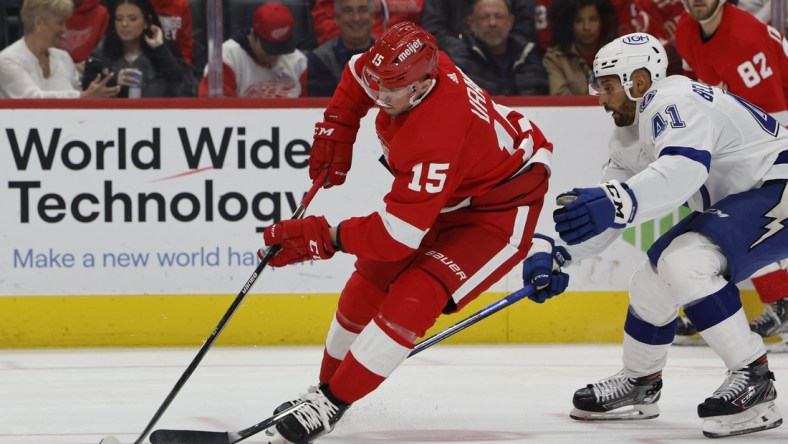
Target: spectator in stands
x: 447, y: 20
x: 175, y: 17
x: 495, y: 60
x: 34, y: 67
x: 579, y: 29
x: 626, y: 11
x: 263, y: 61
x: 326, y: 62
x: 85, y: 29
x: 659, y: 18
x: 762, y: 10
x: 389, y: 12
x: 134, y: 46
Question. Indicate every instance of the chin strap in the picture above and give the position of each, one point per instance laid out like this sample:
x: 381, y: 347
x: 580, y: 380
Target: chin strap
x: 416, y: 100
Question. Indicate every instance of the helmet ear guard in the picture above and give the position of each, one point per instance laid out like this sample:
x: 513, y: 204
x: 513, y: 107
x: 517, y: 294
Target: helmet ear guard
x: 626, y: 54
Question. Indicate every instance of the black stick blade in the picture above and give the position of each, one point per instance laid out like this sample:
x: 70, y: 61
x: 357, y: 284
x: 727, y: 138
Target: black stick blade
x: 188, y: 437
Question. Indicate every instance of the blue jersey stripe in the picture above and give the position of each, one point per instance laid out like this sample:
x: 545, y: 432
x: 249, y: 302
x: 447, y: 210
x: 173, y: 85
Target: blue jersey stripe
x: 700, y: 156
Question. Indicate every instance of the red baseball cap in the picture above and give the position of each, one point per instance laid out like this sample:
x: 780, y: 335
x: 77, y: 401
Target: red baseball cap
x: 273, y: 23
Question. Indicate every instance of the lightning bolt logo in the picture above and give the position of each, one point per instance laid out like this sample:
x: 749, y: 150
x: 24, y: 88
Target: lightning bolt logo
x: 778, y: 215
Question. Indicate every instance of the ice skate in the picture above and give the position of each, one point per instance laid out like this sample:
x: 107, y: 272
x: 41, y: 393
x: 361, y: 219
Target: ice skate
x: 744, y: 403
x: 686, y: 333
x: 773, y: 322
x: 321, y: 411
x: 618, y: 397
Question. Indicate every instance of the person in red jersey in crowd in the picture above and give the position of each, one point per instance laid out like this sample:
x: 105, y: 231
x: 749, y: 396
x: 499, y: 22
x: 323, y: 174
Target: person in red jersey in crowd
x: 659, y: 18
x: 263, y: 61
x: 469, y: 183
x: 725, y: 46
x: 389, y: 12
x: 176, y: 22
x: 85, y: 29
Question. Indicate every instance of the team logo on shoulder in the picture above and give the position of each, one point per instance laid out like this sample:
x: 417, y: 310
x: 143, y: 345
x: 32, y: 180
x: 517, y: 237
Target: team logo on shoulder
x: 646, y: 100
x: 636, y: 39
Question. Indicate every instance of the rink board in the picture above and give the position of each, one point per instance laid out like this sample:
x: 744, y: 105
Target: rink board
x: 137, y: 222
x: 88, y: 321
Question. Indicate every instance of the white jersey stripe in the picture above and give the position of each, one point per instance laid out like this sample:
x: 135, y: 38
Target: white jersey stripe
x: 401, y: 231
x: 377, y: 352
x: 502, y: 256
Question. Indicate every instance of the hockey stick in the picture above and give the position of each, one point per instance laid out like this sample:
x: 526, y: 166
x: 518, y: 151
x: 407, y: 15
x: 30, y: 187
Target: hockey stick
x: 163, y: 436
x: 298, y: 214
x: 472, y: 319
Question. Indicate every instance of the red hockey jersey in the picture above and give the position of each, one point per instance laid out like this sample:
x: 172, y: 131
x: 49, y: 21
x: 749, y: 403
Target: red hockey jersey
x: 659, y: 17
x: 176, y: 23
x: 85, y: 29
x: 455, y: 145
x: 744, y: 56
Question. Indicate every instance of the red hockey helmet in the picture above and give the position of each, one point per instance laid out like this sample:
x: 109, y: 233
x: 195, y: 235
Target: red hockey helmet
x: 403, y: 55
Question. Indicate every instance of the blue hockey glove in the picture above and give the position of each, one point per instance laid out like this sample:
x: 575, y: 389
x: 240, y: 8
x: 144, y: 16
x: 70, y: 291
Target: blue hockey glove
x: 594, y: 210
x: 542, y: 268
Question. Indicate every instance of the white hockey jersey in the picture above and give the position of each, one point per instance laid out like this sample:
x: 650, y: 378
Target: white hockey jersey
x: 692, y: 144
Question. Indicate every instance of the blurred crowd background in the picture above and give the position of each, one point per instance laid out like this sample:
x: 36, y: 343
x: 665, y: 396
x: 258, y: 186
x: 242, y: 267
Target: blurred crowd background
x: 297, y: 48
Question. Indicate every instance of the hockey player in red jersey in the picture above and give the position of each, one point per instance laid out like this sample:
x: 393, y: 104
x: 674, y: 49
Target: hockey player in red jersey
x: 726, y: 47
x: 729, y: 48
x: 469, y: 180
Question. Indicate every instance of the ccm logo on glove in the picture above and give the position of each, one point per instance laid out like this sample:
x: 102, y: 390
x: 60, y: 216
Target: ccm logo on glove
x: 615, y: 196
x: 319, y: 131
x: 300, y: 240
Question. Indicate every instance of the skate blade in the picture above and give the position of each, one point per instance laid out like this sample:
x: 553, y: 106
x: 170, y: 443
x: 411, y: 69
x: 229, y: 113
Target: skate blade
x: 628, y: 413
x: 757, y: 419
x: 271, y: 436
x: 691, y: 341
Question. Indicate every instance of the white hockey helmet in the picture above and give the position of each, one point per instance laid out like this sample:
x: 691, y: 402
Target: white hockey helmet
x: 627, y: 54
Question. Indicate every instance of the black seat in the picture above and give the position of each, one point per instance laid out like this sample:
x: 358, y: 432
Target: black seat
x: 239, y: 13
x: 10, y: 22
x: 200, y: 32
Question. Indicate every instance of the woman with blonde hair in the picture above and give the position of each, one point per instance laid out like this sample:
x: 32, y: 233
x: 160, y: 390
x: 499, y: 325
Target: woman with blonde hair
x: 34, y: 67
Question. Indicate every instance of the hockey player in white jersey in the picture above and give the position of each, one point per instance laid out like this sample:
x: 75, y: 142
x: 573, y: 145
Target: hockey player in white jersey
x: 728, y: 161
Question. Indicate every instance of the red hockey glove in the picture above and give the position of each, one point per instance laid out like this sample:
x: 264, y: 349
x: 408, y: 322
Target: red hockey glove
x: 333, y: 146
x: 301, y: 240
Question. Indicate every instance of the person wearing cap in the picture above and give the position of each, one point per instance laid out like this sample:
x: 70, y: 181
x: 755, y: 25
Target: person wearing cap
x: 263, y: 61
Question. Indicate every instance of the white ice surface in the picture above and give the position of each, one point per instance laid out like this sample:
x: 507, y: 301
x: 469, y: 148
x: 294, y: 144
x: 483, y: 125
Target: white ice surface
x: 448, y: 394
